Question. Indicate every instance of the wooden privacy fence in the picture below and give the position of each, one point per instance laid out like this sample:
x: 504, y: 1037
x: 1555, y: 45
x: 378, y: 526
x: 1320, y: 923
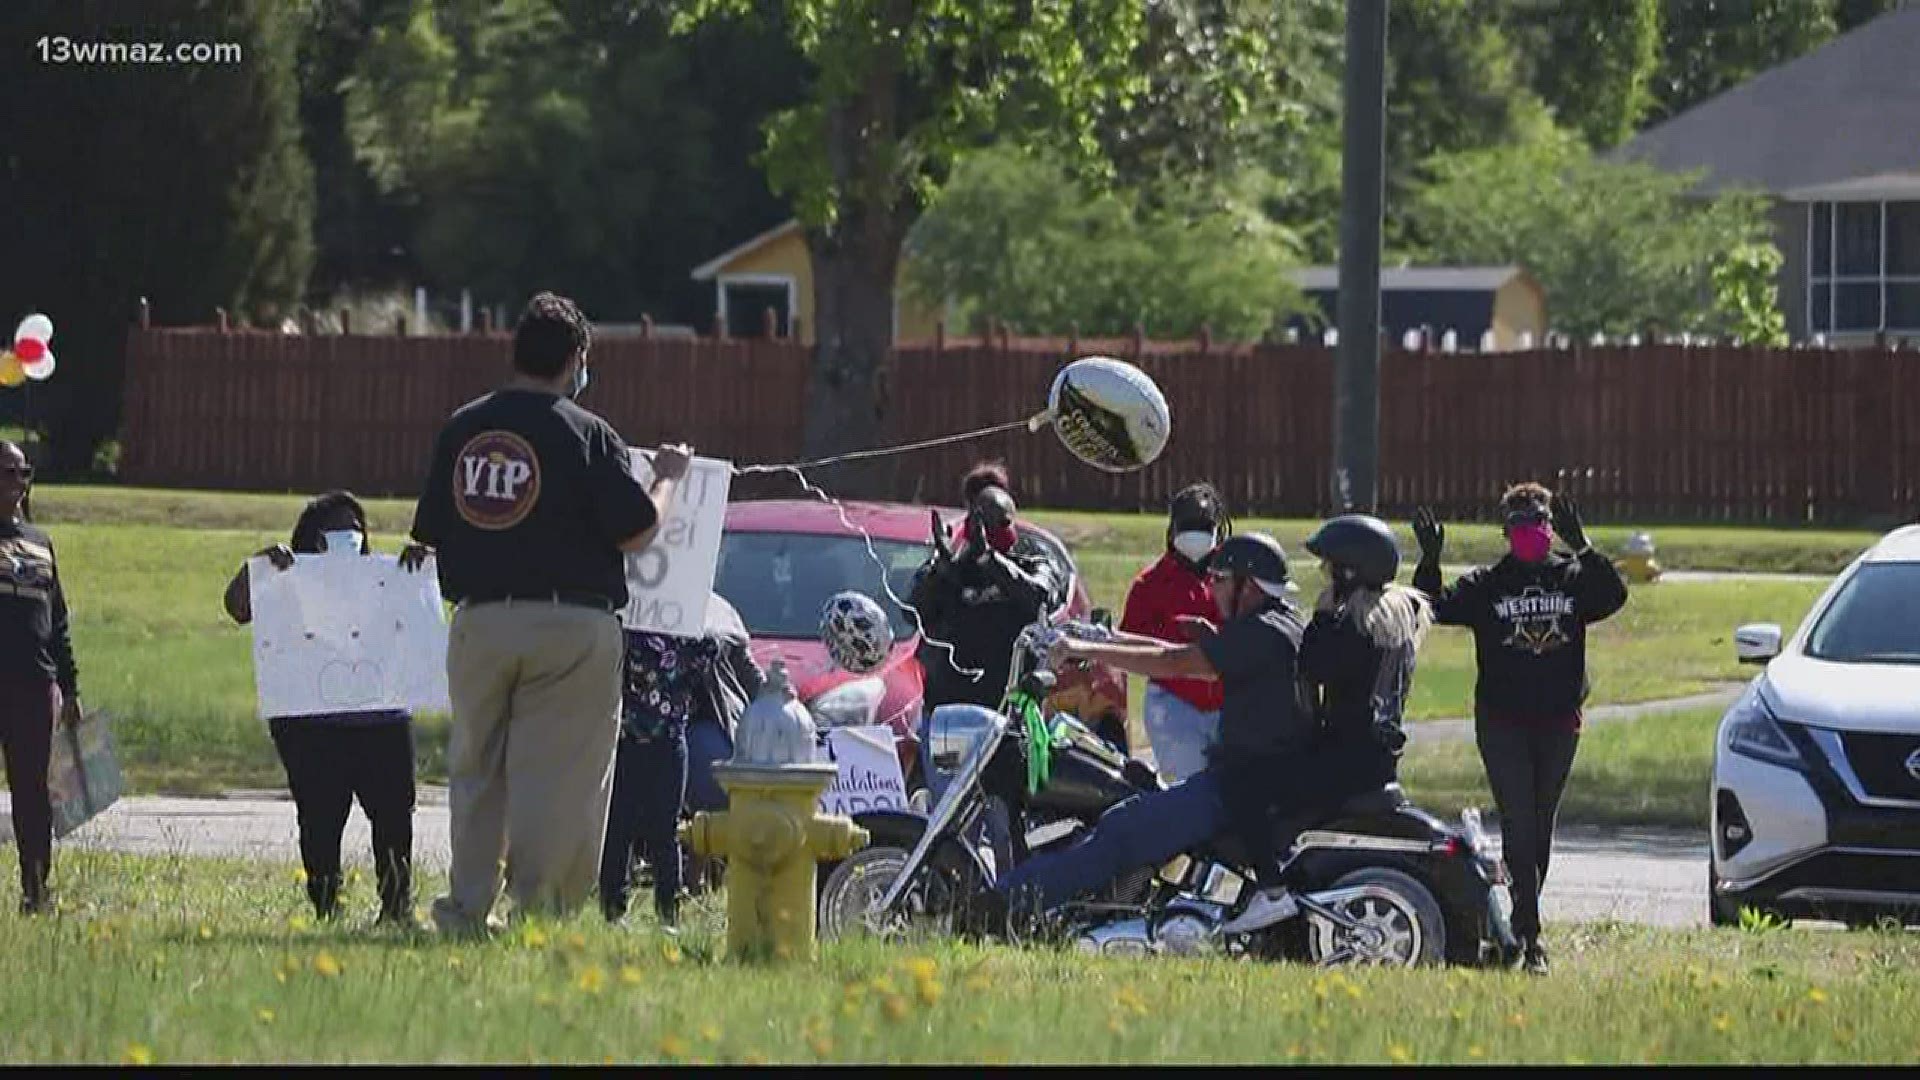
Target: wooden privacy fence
x: 1650, y: 433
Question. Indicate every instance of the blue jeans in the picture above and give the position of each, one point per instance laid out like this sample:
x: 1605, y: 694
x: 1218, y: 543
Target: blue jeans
x: 1178, y: 733
x: 649, y: 780
x: 707, y: 745
x: 1143, y: 831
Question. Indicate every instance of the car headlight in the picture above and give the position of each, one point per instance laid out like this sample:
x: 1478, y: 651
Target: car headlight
x: 849, y: 704
x: 1752, y: 731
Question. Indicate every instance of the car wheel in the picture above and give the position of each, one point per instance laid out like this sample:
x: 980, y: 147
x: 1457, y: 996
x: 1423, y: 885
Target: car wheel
x: 1720, y: 910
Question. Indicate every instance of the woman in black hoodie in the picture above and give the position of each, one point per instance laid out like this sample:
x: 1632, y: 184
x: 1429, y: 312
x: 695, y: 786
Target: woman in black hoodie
x: 1529, y: 614
x: 38, y: 682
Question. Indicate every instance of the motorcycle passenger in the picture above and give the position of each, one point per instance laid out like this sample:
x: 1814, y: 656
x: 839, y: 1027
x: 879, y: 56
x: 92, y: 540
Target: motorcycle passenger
x: 1266, y: 735
x: 1359, y: 653
x: 1169, y: 601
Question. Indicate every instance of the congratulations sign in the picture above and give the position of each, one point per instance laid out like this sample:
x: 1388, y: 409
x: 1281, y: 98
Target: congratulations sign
x: 668, y: 583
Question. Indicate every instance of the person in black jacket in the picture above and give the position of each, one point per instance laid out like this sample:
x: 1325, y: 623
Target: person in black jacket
x: 39, y: 684
x: 1529, y: 615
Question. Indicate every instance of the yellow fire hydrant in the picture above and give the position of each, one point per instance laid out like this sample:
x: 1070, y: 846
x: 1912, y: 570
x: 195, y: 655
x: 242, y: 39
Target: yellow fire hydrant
x: 1636, y: 561
x: 772, y: 834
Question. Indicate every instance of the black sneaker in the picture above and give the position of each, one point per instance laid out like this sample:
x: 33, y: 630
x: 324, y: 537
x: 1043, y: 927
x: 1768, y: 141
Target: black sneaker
x: 1535, y: 961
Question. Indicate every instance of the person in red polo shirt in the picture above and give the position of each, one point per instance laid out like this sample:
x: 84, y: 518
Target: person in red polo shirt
x: 1172, y: 600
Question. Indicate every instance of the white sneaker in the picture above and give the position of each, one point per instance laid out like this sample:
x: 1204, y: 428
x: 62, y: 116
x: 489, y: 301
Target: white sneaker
x: 1267, y: 907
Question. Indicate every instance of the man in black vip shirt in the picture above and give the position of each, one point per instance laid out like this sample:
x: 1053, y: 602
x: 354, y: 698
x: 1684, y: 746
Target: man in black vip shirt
x: 530, y: 504
x: 1529, y: 615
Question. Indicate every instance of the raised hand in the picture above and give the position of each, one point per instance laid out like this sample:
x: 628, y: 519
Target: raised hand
x: 1431, y: 535
x: 1567, y: 524
x: 941, y: 552
x: 670, y: 462
x: 280, y: 555
x: 414, y: 556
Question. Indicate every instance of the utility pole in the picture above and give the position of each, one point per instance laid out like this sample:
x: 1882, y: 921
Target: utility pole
x: 1356, y: 404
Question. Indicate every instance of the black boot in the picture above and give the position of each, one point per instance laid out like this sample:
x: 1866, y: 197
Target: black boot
x: 324, y: 892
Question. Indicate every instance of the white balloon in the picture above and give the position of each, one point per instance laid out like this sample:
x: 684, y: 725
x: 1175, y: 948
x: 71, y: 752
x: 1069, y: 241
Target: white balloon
x: 38, y: 327
x: 1109, y: 413
x: 40, y: 369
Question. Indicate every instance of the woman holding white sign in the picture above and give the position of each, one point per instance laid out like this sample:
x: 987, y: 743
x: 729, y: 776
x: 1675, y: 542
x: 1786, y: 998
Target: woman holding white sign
x: 335, y: 758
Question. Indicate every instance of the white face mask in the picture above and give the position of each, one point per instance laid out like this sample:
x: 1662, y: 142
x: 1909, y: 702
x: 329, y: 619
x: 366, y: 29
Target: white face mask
x: 1194, y: 545
x: 343, y: 542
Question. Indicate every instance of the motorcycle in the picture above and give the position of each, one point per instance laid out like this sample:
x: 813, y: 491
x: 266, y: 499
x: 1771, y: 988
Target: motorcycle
x: 1374, y: 880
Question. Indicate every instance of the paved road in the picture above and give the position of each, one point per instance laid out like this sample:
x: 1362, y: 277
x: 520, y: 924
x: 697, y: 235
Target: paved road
x: 1653, y: 877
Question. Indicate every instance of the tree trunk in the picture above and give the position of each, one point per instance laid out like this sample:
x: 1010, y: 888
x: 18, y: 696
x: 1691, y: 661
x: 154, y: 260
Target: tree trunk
x: 849, y: 386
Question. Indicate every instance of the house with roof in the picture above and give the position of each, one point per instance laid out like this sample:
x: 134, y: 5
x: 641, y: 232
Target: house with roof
x: 1830, y: 138
x: 774, y: 272
x: 1495, y: 308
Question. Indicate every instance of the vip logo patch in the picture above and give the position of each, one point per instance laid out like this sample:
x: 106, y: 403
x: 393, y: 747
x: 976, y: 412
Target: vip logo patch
x: 496, y: 480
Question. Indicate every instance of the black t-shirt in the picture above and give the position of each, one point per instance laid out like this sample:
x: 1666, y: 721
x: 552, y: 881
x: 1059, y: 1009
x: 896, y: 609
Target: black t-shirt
x: 1257, y: 658
x: 529, y: 494
x: 34, y: 641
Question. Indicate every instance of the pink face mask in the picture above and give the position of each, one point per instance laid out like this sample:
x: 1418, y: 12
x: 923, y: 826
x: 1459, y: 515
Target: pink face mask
x: 1530, y: 543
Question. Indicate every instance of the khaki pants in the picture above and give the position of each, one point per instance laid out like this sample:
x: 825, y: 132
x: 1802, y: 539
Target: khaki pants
x: 535, y: 688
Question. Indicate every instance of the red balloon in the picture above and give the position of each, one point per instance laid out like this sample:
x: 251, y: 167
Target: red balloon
x: 29, y: 350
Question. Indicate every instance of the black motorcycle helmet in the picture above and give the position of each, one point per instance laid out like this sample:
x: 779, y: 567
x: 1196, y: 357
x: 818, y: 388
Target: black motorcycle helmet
x: 1252, y: 555
x: 1361, y: 546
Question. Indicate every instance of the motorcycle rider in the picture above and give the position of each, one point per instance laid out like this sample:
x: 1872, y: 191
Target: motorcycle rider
x: 1359, y: 653
x: 1266, y: 735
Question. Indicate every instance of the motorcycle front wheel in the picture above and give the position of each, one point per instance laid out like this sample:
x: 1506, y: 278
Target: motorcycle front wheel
x: 850, y: 897
x: 1396, y: 922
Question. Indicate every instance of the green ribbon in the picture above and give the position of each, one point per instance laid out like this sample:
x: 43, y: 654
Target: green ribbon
x: 1039, y: 742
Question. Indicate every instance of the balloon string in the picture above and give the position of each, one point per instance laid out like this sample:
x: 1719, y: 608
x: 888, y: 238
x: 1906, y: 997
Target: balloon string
x: 953, y: 657
x: 1031, y: 424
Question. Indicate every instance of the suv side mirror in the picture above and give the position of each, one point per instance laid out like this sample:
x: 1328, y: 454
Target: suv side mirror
x: 1757, y: 643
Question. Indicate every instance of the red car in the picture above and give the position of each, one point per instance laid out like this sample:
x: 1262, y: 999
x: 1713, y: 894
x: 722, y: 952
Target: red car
x: 780, y: 560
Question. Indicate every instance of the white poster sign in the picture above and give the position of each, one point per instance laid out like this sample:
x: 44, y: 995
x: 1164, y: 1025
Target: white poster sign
x: 869, y: 777
x: 668, y: 583
x: 347, y: 633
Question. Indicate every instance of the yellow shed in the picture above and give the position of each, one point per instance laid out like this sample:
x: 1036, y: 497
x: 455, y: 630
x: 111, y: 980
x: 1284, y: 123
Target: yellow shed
x: 774, y: 270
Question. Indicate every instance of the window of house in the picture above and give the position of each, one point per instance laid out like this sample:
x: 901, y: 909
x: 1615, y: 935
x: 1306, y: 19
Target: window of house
x: 1863, y: 267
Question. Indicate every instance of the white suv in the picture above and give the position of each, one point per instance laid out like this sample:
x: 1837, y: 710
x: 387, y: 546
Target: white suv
x: 1816, y: 769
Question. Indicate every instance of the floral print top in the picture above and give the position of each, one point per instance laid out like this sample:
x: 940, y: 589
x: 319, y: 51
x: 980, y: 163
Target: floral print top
x: 662, y: 676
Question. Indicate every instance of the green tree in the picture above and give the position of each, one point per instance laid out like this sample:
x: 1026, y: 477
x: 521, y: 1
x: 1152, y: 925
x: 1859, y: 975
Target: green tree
x: 900, y: 90
x: 1746, y: 294
x: 184, y: 183
x: 566, y: 144
x: 1715, y: 45
x: 1592, y: 61
x: 1617, y: 248
x: 1020, y: 239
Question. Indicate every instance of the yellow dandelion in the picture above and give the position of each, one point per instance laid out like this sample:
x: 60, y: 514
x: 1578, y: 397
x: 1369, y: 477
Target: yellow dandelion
x: 265, y: 1016
x: 1399, y: 1054
x: 1817, y: 995
x: 895, y: 1007
x: 1718, y: 981
x: 325, y: 965
x: 1294, y: 1050
x: 922, y: 967
x: 1723, y: 1023
x: 576, y: 941
x: 353, y: 876
x: 629, y: 975
x: 137, y: 1054
x: 1115, y: 1026
x: 670, y: 953
x: 1352, y: 991
x: 710, y: 1032
x: 1476, y: 1052
x: 455, y: 962
x: 206, y: 932
x: 298, y: 924
x: 929, y: 992
x: 1459, y: 1016
x: 820, y: 1045
x: 673, y: 1046
x: 881, y: 985
x: 534, y: 938
x: 299, y: 877
x: 1518, y: 1020
x: 591, y: 981
x: 280, y: 976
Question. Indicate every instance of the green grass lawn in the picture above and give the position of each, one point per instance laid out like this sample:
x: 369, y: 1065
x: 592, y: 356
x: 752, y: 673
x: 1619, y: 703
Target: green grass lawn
x: 1647, y: 771
x: 144, y: 571
x: 172, y: 960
